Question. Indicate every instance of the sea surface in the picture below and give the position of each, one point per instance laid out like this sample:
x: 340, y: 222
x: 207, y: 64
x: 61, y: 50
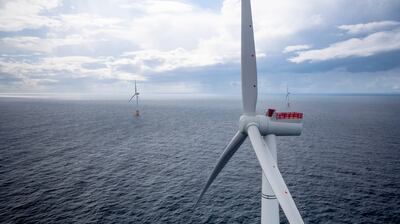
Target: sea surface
x: 66, y: 161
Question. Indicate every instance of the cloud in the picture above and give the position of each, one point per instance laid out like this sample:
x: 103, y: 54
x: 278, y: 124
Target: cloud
x: 157, y: 6
x: 24, y: 44
x: 44, y: 43
x: 193, y: 37
x: 79, y: 21
x: 25, y: 14
x: 165, y: 40
x: 31, y: 44
x: 34, y: 73
x: 162, y: 61
x: 356, y: 47
x: 176, y: 32
x: 72, y: 30
x: 275, y: 21
x: 296, y: 48
x: 176, y: 88
x: 169, y: 30
x: 363, y: 28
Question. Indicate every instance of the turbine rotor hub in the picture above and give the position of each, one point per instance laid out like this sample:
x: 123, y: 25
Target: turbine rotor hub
x: 245, y: 121
x: 267, y: 125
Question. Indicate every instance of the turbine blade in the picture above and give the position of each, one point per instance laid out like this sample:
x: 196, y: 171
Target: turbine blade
x: 132, y: 97
x: 248, y: 61
x: 274, y: 177
x: 230, y: 149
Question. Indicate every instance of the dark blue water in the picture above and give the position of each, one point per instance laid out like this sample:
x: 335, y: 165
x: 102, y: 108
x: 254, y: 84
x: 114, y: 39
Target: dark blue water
x: 93, y: 162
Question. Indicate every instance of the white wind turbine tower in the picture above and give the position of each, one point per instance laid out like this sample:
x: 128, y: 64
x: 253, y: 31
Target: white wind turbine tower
x: 137, y: 100
x: 262, y: 131
x: 287, y: 96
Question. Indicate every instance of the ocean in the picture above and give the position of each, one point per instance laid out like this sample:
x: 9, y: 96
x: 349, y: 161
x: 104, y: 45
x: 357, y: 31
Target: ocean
x: 82, y: 161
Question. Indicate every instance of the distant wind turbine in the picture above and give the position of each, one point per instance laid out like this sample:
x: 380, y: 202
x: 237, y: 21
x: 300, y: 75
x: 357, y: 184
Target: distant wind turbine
x: 136, y: 94
x: 287, y: 96
x: 262, y: 131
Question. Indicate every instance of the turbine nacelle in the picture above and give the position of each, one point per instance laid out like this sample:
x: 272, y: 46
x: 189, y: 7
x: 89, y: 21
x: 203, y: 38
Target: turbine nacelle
x: 270, y: 125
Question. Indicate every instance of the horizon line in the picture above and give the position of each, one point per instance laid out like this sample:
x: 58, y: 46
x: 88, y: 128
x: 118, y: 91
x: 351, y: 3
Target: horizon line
x: 81, y: 96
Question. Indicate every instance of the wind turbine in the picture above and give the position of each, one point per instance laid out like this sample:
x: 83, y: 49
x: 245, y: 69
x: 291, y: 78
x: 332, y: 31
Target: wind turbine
x: 287, y: 96
x: 137, y: 100
x: 262, y: 131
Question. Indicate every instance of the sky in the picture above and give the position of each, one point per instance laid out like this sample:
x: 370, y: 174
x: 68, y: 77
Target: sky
x: 192, y: 48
